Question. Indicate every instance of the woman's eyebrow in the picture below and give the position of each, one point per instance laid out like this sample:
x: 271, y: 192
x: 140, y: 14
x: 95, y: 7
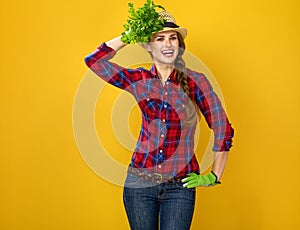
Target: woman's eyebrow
x: 162, y: 36
x: 159, y: 36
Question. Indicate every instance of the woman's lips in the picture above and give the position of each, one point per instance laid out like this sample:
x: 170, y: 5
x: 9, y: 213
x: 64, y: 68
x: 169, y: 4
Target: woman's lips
x: 168, y: 53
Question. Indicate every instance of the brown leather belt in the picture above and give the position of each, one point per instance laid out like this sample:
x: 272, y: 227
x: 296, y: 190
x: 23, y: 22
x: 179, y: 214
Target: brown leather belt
x: 154, y: 177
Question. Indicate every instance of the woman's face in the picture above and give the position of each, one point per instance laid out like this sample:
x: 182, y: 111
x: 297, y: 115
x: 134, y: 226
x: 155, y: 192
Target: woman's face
x: 164, y: 47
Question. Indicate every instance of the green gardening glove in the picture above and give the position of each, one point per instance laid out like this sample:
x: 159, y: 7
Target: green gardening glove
x: 194, y: 180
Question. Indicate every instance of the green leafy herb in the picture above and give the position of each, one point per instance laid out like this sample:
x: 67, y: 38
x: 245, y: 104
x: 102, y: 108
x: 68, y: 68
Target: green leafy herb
x: 142, y: 23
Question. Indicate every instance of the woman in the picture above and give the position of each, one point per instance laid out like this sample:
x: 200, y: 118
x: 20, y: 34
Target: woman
x: 160, y: 185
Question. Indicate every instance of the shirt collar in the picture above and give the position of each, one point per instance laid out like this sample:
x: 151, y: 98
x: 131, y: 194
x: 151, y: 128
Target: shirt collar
x: 153, y: 71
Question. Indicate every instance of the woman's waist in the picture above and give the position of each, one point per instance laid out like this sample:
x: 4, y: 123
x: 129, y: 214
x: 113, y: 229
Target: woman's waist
x: 167, y: 166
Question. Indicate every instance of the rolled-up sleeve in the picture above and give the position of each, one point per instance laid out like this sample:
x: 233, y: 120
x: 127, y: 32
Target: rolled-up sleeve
x: 214, y: 113
x: 99, y: 63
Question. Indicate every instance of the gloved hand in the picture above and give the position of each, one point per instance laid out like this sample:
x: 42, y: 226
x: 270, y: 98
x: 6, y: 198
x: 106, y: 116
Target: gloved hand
x: 194, y: 180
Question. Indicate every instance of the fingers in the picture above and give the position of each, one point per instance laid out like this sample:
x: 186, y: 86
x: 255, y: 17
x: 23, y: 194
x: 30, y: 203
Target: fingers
x: 190, y: 184
x: 191, y: 176
x: 187, y: 179
x: 191, y: 181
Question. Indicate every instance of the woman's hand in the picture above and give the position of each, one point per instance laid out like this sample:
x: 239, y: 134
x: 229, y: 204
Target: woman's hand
x: 194, y: 180
x: 116, y: 43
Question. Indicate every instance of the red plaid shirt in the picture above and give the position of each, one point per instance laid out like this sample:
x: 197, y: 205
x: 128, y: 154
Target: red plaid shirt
x: 165, y: 144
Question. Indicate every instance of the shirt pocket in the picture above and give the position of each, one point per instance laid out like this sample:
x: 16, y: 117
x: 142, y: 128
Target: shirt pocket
x: 149, y: 105
x: 179, y: 110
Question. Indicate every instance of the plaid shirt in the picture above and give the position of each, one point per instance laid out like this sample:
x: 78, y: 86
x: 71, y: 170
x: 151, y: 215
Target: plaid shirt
x: 165, y: 144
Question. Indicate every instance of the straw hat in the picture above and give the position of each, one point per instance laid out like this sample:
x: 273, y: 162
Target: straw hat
x: 170, y: 24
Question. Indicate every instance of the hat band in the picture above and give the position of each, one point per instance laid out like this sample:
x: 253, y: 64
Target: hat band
x: 170, y: 25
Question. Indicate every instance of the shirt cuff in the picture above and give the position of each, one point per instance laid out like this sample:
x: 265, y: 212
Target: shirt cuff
x: 108, y: 52
x: 222, y: 145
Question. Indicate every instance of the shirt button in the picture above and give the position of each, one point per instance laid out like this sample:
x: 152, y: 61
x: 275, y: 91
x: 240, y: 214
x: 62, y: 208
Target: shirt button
x: 165, y: 106
x: 160, y: 151
x: 164, y: 120
x: 148, y: 99
x: 166, y: 93
x: 162, y: 135
x: 159, y: 166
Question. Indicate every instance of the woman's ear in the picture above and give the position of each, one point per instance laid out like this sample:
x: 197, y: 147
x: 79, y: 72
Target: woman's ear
x: 146, y: 46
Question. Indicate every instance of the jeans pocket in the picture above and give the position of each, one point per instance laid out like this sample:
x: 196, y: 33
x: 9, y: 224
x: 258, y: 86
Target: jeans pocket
x: 132, y: 180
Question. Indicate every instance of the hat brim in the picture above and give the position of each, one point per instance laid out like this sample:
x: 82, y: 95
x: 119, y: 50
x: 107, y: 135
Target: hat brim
x: 181, y: 31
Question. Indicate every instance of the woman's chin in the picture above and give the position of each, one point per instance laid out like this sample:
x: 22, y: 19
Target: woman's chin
x: 167, y: 61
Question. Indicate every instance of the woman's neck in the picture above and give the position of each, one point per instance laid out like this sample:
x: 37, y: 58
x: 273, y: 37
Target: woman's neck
x: 164, y: 71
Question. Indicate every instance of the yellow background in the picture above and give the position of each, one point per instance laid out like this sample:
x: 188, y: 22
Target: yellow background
x: 253, y: 49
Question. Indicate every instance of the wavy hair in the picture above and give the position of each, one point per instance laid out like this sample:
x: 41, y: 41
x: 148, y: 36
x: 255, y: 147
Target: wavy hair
x: 191, y: 109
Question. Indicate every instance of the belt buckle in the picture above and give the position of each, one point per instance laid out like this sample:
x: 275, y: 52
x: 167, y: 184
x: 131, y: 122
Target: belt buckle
x: 160, y: 177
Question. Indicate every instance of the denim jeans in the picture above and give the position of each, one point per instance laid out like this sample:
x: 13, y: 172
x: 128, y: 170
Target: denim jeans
x: 164, y: 206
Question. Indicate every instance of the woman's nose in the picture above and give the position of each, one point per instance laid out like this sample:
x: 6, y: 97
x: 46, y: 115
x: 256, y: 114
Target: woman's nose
x: 167, y: 42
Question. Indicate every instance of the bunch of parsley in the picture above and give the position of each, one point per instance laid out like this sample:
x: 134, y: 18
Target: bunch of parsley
x: 142, y: 23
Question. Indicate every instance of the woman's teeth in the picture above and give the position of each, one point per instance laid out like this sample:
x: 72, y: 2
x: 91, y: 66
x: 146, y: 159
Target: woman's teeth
x: 167, y: 52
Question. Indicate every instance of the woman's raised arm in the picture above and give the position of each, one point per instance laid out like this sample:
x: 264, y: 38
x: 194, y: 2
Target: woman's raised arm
x: 116, y: 43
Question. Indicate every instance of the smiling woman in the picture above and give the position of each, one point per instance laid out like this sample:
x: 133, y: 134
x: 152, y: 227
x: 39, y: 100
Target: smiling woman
x: 163, y: 48
x: 164, y: 171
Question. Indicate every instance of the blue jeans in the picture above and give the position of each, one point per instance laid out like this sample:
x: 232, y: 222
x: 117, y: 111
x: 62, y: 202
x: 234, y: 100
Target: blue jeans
x: 169, y: 206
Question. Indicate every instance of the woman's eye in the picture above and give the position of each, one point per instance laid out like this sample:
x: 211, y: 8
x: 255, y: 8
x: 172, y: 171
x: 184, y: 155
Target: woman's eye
x: 174, y: 38
x: 159, y: 39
